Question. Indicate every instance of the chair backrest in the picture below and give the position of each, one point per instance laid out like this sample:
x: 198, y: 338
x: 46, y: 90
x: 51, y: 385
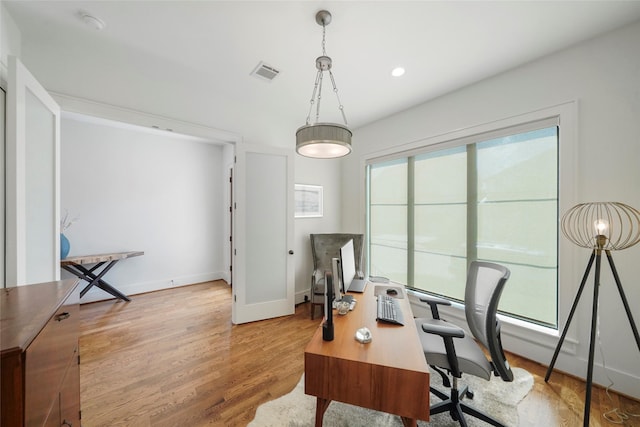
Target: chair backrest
x: 326, y: 246
x: 485, y: 283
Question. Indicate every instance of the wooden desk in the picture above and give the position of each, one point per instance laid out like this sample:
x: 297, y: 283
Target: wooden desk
x: 389, y: 374
x: 75, y: 265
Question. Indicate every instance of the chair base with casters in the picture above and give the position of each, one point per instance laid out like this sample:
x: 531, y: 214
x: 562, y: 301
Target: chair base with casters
x: 453, y: 404
x: 448, y: 348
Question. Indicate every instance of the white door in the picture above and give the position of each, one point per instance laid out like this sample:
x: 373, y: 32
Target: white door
x: 32, y: 159
x: 263, y: 268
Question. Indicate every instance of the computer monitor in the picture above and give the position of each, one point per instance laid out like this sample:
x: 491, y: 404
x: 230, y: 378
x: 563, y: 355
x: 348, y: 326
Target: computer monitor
x: 348, y: 264
x: 338, y: 290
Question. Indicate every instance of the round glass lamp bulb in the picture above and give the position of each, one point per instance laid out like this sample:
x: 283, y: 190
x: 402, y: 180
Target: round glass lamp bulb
x: 601, y: 226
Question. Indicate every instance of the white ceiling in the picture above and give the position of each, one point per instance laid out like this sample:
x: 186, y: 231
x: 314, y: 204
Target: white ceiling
x: 191, y: 60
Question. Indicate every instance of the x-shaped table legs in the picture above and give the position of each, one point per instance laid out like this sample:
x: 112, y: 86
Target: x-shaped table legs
x: 95, y: 279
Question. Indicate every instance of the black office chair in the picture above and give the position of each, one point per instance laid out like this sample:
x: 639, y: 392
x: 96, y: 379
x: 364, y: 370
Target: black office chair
x: 447, y: 347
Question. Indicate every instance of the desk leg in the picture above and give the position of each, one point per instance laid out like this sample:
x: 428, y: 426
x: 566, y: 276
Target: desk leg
x: 409, y: 422
x: 107, y: 287
x: 321, y: 407
x: 95, y: 280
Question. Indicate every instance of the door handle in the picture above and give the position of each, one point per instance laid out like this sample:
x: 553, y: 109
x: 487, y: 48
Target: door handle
x: 290, y: 252
x: 60, y: 317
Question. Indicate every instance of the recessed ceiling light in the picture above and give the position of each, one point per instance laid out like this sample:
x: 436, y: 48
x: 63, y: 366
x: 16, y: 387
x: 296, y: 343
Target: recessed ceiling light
x: 397, y: 72
x: 92, y: 21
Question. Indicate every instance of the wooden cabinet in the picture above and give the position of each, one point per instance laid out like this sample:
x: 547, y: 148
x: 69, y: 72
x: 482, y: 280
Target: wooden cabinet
x: 40, y: 383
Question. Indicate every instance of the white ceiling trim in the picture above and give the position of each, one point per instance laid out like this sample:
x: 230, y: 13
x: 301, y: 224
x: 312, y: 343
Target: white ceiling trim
x: 73, y: 107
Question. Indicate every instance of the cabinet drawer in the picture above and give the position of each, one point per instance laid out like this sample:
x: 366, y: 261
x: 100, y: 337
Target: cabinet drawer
x: 47, y: 359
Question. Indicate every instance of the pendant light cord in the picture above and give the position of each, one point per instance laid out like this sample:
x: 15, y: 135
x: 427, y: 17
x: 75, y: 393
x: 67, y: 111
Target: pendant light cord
x: 317, y: 87
x: 614, y: 415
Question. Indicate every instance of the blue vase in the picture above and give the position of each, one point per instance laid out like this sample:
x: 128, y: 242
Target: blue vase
x: 65, y: 246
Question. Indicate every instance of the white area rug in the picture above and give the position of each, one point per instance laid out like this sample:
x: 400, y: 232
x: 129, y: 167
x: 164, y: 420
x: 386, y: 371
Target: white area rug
x: 496, y: 397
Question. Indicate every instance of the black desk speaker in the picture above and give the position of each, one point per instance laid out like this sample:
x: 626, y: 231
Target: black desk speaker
x: 327, y: 326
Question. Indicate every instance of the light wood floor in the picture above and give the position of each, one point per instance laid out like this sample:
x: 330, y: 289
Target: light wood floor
x: 173, y: 358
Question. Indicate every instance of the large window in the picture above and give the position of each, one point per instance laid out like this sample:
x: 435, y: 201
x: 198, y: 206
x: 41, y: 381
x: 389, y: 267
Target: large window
x: 490, y: 197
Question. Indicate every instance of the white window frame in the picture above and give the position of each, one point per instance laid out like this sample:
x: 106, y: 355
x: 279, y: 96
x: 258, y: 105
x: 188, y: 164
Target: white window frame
x: 518, y: 336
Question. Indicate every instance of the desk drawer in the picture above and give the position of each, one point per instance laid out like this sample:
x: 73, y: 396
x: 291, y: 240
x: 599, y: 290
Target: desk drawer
x: 47, y: 358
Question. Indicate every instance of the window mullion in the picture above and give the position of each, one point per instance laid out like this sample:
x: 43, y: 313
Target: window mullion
x: 411, y: 221
x: 472, y: 204
x: 367, y: 235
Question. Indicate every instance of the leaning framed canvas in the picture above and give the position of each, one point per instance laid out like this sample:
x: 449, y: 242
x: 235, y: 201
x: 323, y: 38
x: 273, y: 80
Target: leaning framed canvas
x: 308, y: 201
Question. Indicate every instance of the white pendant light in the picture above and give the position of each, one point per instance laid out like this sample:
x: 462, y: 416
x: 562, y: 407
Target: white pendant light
x: 323, y: 140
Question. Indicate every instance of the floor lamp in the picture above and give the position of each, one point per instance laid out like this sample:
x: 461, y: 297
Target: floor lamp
x: 600, y: 226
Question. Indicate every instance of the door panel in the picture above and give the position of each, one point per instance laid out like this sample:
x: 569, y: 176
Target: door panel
x: 2, y: 186
x: 263, y: 236
x: 32, y: 252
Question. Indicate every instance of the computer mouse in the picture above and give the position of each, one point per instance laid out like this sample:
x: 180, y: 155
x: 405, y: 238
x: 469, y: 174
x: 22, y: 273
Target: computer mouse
x: 363, y: 335
x: 392, y: 291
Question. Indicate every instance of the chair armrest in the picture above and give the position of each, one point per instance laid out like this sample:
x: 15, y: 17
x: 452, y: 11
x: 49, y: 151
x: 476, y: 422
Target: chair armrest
x: 434, y: 300
x: 317, y: 280
x: 433, y: 303
x: 318, y: 276
x: 443, y: 330
x: 448, y: 332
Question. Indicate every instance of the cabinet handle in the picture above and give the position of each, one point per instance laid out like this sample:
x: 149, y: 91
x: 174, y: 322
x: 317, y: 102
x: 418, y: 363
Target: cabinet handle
x: 60, y: 317
x: 66, y: 423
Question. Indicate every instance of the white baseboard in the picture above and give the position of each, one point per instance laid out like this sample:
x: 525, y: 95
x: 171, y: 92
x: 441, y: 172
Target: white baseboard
x: 97, y: 294
x: 301, y: 295
x: 132, y: 289
x: 226, y: 276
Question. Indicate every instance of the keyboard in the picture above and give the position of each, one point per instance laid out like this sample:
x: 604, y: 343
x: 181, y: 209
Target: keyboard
x: 389, y: 311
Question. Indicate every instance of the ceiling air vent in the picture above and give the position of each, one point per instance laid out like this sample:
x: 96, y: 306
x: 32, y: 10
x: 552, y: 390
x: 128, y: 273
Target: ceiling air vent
x: 265, y: 72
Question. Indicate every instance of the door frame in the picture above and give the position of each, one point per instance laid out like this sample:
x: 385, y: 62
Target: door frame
x: 244, y: 310
x: 20, y: 80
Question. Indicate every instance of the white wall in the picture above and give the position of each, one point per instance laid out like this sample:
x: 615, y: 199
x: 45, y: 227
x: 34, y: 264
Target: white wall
x: 136, y: 190
x: 328, y: 174
x: 10, y: 42
x: 603, y: 76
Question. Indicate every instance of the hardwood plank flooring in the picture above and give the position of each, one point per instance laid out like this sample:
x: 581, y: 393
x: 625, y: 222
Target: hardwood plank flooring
x: 173, y: 358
